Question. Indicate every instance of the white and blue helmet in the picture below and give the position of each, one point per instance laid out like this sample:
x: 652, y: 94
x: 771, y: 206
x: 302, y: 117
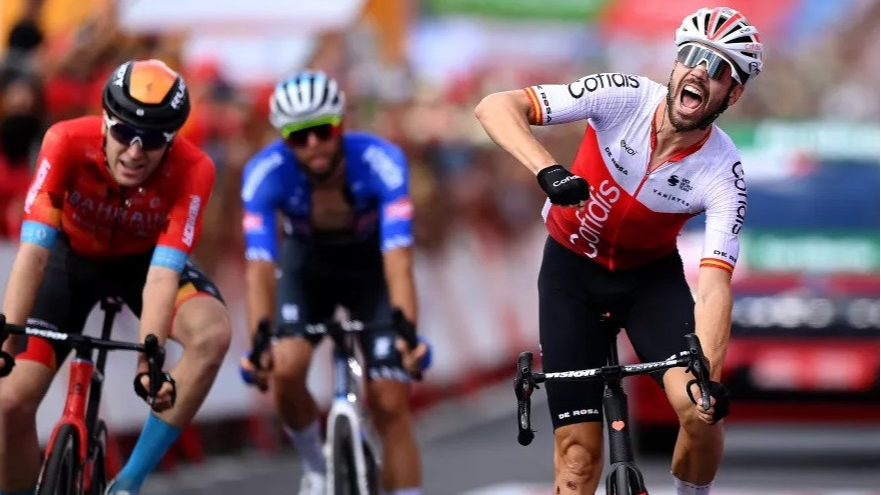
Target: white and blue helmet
x: 305, y: 97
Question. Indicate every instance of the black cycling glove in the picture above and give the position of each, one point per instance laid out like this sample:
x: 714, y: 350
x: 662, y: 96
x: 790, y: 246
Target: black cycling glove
x: 562, y: 186
x: 723, y: 401
x: 144, y: 394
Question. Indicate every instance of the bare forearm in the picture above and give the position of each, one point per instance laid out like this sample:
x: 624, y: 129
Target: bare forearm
x: 506, y: 121
x: 160, y: 293
x: 260, y: 277
x: 712, y: 313
x: 400, y: 281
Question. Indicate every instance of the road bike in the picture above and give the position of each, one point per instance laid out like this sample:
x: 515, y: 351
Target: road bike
x: 624, y: 477
x: 353, y: 461
x: 74, y: 463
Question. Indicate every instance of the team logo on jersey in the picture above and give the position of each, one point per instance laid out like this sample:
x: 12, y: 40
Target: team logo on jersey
x: 683, y: 184
x: 192, y: 217
x: 399, y: 209
x: 42, y: 172
x: 252, y: 223
x: 615, y: 162
x: 594, y: 216
x: 601, y: 81
x: 740, y: 185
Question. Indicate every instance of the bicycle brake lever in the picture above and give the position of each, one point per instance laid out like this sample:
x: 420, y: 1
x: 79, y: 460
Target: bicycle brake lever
x: 699, y: 368
x: 8, y: 360
x: 155, y: 360
x: 524, y: 385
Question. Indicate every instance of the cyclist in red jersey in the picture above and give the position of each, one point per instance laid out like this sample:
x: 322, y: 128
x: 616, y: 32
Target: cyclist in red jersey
x: 114, y: 210
x: 651, y: 159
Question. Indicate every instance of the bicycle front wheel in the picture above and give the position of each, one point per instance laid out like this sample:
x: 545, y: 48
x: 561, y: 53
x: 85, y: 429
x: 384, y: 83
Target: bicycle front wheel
x: 60, y: 474
x: 97, y: 472
x: 345, y: 473
x: 372, y: 469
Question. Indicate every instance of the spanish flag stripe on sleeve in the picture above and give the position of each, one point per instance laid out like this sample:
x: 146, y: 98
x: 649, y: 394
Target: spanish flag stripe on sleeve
x: 537, y: 117
x: 712, y: 262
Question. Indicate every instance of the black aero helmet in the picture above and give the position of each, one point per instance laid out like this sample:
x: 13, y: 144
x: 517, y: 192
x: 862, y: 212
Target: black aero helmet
x: 147, y: 94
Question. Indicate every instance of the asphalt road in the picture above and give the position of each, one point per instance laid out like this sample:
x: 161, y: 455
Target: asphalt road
x: 471, y: 449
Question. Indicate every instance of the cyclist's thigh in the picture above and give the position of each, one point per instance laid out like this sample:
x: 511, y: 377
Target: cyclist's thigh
x: 367, y: 300
x: 133, y: 275
x: 70, y: 288
x: 569, y: 334
x: 304, y: 294
x: 661, y: 312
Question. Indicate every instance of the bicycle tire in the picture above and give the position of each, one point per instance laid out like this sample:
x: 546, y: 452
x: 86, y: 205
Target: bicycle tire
x: 61, y: 472
x: 624, y: 480
x: 372, y: 469
x: 97, y: 461
x: 345, y: 479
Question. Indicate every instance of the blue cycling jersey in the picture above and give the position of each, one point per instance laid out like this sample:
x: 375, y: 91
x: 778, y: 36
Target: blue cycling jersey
x: 376, y: 176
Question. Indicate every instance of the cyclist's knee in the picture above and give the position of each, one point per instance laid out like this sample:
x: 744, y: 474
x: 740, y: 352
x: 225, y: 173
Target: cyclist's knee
x: 388, y: 401
x: 212, y: 341
x: 579, y: 452
x: 674, y: 385
x: 291, y: 358
x: 203, y: 327
x: 18, y: 403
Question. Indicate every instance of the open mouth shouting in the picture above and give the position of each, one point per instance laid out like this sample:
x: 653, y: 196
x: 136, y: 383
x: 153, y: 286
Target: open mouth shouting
x: 691, y: 99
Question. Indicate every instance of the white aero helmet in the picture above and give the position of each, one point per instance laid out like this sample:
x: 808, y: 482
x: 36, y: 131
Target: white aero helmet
x: 305, y: 98
x: 727, y: 31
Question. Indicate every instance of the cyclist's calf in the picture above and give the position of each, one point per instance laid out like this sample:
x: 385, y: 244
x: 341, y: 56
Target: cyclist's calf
x: 578, y: 458
x: 388, y: 401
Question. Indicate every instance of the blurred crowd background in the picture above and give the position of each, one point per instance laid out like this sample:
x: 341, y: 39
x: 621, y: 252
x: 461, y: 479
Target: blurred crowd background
x: 808, y: 129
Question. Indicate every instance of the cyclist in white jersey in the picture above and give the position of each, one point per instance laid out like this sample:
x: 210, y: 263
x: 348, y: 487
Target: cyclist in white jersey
x: 650, y: 159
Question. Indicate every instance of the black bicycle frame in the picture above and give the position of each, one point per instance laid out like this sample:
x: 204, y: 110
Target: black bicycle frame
x: 111, y: 306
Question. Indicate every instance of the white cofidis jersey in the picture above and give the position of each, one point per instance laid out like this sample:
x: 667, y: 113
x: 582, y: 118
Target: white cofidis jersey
x: 634, y: 215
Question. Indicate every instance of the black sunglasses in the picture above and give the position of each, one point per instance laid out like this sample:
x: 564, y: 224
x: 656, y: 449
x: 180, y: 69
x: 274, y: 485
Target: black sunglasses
x: 148, y: 139
x: 322, y: 131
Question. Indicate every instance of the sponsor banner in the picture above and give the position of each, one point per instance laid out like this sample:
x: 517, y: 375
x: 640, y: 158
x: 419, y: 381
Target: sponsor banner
x: 812, y: 252
x: 819, y: 139
x: 562, y: 10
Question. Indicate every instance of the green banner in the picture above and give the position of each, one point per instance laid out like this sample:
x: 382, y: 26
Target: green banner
x: 563, y: 10
x: 815, y: 252
x: 823, y: 139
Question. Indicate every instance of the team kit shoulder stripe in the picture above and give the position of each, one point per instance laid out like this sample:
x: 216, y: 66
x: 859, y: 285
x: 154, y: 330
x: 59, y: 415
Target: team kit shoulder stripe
x: 537, y: 117
x: 38, y: 233
x: 714, y: 263
x: 254, y: 177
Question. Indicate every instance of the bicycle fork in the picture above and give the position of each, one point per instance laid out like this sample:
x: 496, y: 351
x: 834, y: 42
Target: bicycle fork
x: 75, y: 407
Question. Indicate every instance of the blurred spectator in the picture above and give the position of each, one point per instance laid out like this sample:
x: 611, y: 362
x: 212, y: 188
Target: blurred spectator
x: 20, y: 131
x: 24, y: 40
x: 459, y: 180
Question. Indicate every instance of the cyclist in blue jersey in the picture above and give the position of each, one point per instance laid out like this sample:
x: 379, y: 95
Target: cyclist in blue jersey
x: 347, y: 241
